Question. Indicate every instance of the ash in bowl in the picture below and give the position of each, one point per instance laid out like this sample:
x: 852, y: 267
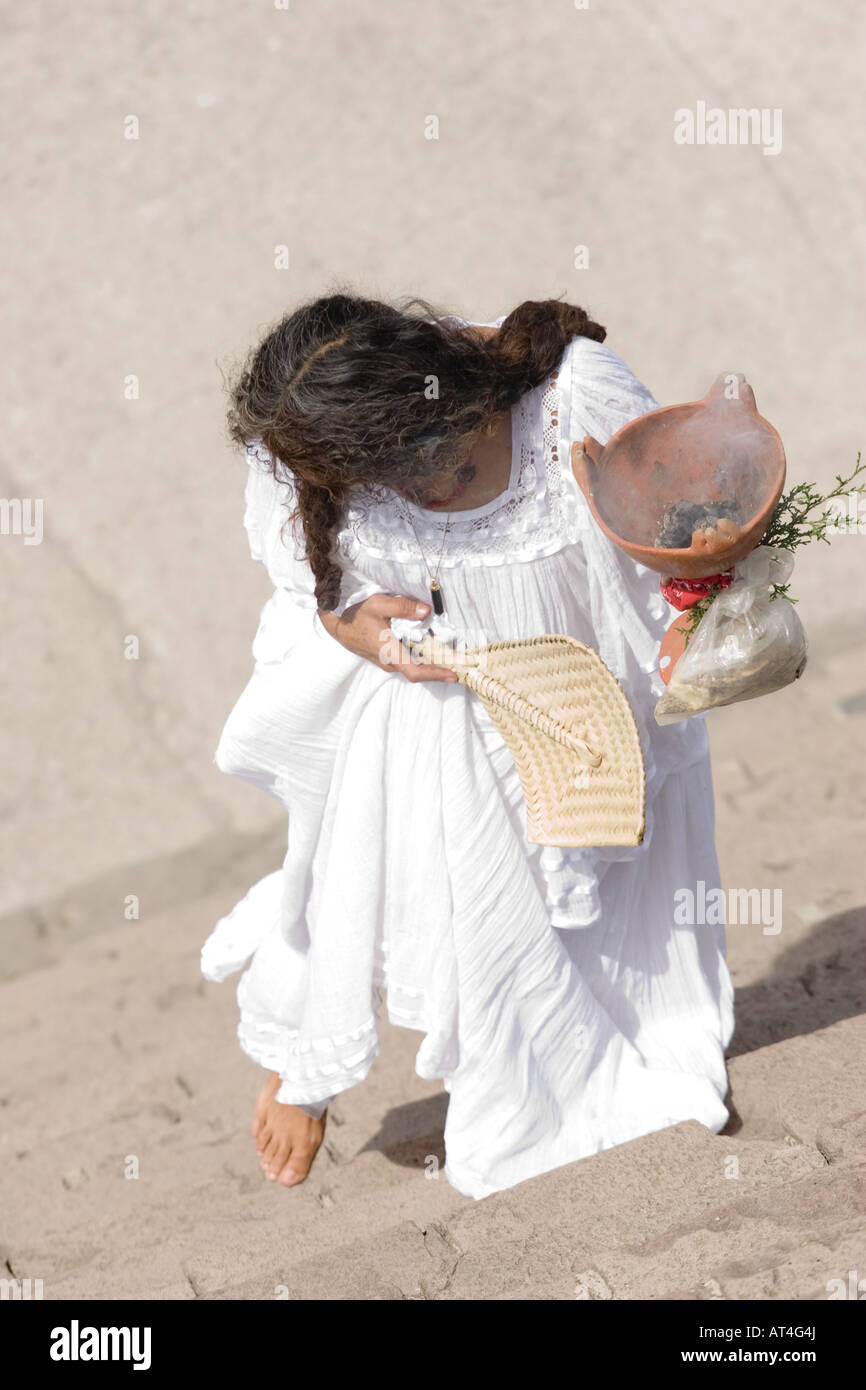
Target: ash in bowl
x: 682, y: 519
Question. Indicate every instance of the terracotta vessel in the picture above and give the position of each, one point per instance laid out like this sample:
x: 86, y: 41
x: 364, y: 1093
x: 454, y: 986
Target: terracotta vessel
x: 704, y: 451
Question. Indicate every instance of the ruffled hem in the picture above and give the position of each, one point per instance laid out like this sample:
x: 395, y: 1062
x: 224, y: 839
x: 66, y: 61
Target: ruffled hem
x: 316, y: 1070
x: 306, y: 1078
x: 317, y: 1067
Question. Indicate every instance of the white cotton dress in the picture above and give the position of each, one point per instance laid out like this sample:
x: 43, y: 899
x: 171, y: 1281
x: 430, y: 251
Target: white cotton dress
x: 560, y: 1002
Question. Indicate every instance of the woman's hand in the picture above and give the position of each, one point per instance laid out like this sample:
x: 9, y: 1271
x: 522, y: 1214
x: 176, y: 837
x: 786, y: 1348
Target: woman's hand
x: 365, y: 630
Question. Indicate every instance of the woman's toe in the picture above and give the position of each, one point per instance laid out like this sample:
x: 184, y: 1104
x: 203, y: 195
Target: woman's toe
x: 278, y: 1162
x: 298, y: 1166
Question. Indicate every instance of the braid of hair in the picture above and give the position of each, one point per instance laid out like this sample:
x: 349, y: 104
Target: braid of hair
x: 319, y: 509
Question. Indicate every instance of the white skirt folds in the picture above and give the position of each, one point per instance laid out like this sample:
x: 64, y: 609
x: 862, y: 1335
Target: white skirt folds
x: 560, y: 1002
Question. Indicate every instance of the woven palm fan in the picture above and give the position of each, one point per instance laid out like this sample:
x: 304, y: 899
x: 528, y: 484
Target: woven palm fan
x: 570, y: 730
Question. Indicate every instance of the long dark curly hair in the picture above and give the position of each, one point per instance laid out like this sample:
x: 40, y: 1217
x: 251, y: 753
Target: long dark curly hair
x: 346, y: 391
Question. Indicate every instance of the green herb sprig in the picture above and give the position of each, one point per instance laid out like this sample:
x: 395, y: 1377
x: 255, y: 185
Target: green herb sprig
x: 792, y: 525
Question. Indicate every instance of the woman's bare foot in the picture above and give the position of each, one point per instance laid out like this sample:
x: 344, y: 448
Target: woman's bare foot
x: 287, y: 1140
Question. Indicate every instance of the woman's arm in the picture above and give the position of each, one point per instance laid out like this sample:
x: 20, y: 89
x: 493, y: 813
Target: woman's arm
x: 360, y: 622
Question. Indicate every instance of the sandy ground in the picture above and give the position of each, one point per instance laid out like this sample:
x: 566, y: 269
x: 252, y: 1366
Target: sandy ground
x: 153, y: 259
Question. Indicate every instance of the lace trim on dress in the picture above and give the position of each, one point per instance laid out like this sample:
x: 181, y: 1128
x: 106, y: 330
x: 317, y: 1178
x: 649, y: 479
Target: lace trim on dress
x: 537, y: 516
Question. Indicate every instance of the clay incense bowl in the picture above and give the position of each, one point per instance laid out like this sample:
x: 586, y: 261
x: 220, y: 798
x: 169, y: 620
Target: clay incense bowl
x: 703, y: 452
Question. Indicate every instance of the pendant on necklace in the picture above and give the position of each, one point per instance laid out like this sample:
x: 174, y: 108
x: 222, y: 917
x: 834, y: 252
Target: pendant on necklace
x: 436, y: 597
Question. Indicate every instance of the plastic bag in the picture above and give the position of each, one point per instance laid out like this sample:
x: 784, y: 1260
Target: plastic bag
x: 744, y: 646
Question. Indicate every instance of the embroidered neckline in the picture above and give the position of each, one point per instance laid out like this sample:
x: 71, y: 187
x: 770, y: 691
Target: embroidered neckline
x: 532, y: 517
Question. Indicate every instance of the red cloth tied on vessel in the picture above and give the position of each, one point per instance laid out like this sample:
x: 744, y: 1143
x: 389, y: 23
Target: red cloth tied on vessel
x: 685, y: 593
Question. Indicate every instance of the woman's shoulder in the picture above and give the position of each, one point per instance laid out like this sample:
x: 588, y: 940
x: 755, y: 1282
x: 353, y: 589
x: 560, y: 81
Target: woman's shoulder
x: 593, y: 361
x: 602, y: 385
x: 268, y: 503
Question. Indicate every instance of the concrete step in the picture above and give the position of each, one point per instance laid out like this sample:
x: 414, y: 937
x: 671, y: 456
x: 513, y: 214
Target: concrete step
x: 721, y: 1216
x: 150, y: 1074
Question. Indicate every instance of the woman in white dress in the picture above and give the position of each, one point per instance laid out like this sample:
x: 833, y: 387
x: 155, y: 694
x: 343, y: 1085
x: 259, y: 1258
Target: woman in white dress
x: 561, y: 1001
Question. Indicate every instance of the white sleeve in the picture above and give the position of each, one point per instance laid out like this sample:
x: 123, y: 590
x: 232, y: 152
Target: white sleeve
x: 628, y: 614
x: 605, y: 393
x: 277, y: 542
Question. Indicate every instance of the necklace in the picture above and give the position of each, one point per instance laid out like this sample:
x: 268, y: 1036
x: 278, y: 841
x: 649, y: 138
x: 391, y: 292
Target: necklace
x: 435, y: 588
